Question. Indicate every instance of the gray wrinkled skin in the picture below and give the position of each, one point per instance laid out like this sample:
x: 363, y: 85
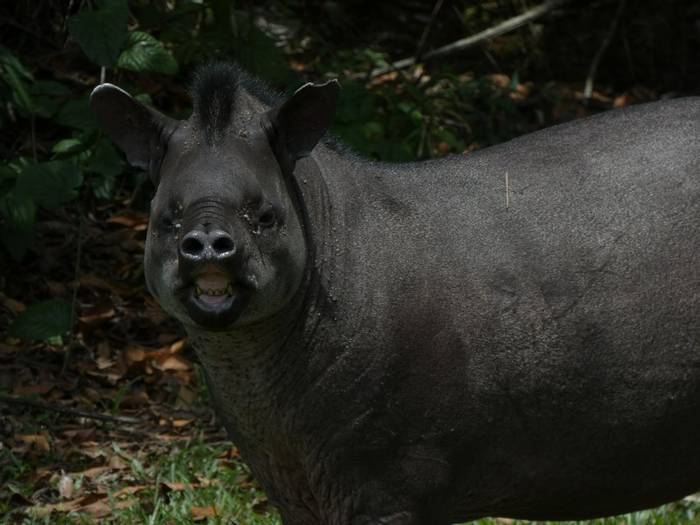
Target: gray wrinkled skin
x: 418, y: 350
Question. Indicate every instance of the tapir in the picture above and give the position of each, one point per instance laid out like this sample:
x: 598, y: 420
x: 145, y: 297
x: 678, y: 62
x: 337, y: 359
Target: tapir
x: 512, y: 332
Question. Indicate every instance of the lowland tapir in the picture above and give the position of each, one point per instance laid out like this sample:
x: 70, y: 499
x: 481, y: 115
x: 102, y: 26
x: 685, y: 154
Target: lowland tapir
x: 512, y: 332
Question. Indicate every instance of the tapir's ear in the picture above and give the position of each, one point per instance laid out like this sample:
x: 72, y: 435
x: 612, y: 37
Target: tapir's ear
x: 139, y: 131
x: 298, y: 124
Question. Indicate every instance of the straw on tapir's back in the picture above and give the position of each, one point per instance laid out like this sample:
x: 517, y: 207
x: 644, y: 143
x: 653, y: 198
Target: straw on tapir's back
x: 515, y: 332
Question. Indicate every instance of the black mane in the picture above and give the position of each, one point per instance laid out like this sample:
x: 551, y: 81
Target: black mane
x: 214, y: 90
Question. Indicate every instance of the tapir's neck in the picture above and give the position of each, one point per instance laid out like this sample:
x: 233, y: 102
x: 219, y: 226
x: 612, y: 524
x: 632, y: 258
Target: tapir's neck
x: 249, y: 370
x: 252, y: 365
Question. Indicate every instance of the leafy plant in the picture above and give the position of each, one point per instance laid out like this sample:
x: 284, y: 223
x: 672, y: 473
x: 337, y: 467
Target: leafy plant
x: 43, y: 320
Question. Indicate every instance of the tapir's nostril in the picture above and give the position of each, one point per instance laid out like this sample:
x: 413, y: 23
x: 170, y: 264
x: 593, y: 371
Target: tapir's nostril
x: 193, y: 245
x: 222, y: 244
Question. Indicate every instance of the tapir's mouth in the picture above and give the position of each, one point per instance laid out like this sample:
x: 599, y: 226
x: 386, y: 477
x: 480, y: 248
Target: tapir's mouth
x: 213, y: 299
x: 213, y: 289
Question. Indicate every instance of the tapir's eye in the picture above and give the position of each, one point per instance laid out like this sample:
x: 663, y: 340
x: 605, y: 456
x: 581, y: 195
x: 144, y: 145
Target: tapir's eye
x: 267, y: 218
x: 166, y: 220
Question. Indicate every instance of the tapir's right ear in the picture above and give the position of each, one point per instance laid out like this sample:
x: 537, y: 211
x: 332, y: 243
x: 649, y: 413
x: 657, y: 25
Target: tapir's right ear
x: 139, y: 131
x: 298, y: 124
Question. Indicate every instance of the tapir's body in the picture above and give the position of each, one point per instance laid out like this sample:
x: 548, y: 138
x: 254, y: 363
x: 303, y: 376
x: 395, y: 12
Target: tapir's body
x: 515, y: 332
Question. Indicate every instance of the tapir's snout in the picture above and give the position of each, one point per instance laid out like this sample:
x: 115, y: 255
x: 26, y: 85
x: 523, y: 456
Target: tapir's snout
x: 199, y: 246
x: 210, y: 265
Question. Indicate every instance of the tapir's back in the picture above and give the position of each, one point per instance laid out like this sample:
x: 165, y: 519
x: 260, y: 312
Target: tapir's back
x: 542, y: 301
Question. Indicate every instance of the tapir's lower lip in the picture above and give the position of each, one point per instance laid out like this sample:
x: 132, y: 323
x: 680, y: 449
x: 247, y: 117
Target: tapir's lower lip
x: 215, y: 311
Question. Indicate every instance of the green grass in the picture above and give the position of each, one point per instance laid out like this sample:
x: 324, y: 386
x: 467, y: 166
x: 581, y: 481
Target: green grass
x: 215, y: 480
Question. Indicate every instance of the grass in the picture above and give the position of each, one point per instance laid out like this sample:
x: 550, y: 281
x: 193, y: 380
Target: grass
x: 194, y: 483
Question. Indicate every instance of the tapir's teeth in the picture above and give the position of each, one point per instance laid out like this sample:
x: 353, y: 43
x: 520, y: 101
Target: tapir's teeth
x: 215, y: 291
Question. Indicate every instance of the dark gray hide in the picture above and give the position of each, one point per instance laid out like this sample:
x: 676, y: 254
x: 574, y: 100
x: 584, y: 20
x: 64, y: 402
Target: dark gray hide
x: 408, y: 344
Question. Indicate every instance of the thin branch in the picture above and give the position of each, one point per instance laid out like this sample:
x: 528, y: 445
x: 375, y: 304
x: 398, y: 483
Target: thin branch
x: 426, y: 31
x: 16, y: 400
x: 588, y: 89
x: 471, y: 41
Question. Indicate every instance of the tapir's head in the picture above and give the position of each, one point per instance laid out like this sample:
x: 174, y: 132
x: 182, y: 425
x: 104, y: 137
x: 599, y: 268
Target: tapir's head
x: 226, y: 244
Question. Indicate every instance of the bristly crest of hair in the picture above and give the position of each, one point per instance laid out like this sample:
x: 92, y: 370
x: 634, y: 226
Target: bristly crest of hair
x: 214, y: 95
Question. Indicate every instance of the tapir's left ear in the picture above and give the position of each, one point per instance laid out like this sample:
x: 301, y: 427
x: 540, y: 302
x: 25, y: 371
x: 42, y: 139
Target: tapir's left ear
x: 297, y: 125
x: 140, y: 132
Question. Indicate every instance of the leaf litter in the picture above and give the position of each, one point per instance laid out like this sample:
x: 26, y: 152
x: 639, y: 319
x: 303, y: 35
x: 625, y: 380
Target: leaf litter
x: 84, y: 417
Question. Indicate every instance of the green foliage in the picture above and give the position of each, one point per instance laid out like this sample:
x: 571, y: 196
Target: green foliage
x: 43, y: 321
x: 13, y: 81
x: 48, y: 184
x: 145, y: 53
x: 101, y: 33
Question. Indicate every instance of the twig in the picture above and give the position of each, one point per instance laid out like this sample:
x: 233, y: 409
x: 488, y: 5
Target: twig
x: 426, y: 31
x: 588, y: 89
x: 74, y: 299
x: 16, y: 400
x: 465, y: 43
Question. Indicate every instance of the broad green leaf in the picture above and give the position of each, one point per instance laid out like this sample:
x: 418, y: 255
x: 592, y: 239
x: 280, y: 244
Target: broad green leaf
x: 107, y: 164
x: 145, y: 53
x: 14, y: 75
x: 103, y: 186
x: 101, y: 33
x: 42, y: 321
x: 8, y: 59
x: 76, y: 114
x: 144, y: 98
x: 48, y: 96
x: 18, y: 209
x: 7, y: 178
x: 67, y: 146
x: 50, y: 184
x: 16, y: 241
x: 106, y: 160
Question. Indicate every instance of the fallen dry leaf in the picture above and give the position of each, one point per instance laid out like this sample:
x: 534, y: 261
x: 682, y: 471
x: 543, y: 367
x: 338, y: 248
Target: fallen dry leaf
x: 80, y: 435
x: 202, y: 513
x: 166, y: 339
x: 171, y: 362
x: 177, y: 346
x: 175, y: 486
x: 129, y: 219
x: 117, y: 462
x: 133, y: 489
x: 30, y: 390
x: 94, y: 472
x: 82, y: 503
x: 15, y: 306
x: 37, y: 440
x: 135, y: 354
x: 97, y: 314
